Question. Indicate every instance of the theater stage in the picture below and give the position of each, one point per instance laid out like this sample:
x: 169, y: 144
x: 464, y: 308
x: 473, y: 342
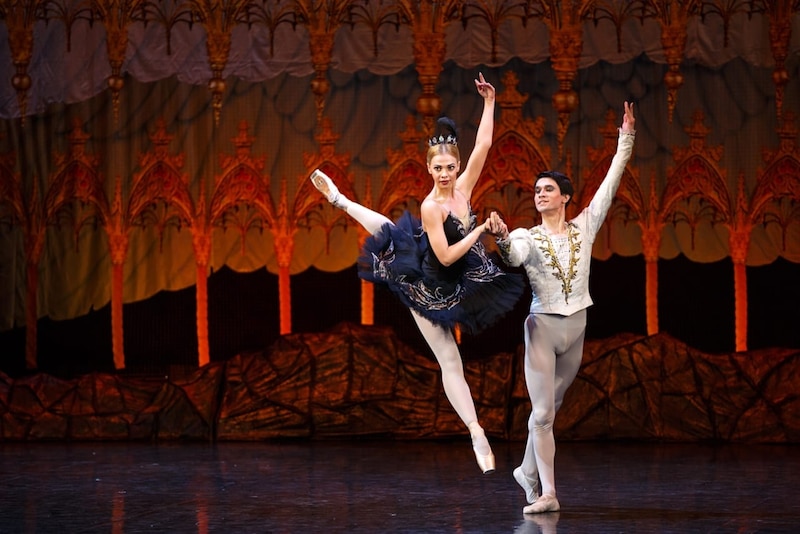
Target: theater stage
x: 373, y: 486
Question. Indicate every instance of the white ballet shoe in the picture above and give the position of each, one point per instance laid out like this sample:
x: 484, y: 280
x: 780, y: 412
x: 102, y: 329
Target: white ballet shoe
x: 545, y: 503
x: 486, y: 462
x: 325, y: 185
x: 531, y: 488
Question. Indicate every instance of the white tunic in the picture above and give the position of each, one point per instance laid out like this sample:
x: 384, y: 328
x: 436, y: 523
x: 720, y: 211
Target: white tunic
x: 558, y: 267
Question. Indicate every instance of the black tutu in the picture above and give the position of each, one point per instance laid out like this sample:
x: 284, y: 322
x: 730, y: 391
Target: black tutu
x: 473, y: 292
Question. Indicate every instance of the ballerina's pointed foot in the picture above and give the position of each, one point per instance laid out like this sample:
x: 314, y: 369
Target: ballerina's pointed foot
x: 485, y: 461
x: 325, y: 185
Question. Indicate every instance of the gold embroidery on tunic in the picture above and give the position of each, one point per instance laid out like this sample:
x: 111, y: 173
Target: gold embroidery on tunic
x: 546, y: 246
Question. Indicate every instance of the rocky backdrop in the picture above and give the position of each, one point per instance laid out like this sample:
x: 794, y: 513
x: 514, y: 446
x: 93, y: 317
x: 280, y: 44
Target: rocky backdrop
x: 361, y: 381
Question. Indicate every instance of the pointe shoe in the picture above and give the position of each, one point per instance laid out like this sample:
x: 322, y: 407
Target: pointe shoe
x: 545, y: 503
x: 531, y: 488
x: 485, y: 461
x: 325, y: 185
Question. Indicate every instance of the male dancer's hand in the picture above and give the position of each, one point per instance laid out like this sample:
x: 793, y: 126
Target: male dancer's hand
x: 628, y: 120
x: 496, y: 226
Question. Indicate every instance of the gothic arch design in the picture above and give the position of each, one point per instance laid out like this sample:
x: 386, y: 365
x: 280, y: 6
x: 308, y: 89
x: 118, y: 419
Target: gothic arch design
x: 776, y: 199
x: 160, y: 197
x: 405, y: 185
x: 696, y: 193
x: 696, y: 175
x: 406, y: 182
x: 310, y: 207
x: 241, y: 195
x: 506, y: 185
x: 76, y: 193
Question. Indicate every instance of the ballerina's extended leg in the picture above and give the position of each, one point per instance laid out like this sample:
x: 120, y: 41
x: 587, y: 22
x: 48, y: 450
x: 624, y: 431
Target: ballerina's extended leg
x: 370, y: 220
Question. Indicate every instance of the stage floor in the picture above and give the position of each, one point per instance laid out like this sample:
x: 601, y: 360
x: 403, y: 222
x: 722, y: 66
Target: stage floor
x: 374, y: 486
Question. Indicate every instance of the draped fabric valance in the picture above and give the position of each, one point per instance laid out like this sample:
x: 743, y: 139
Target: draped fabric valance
x: 71, y: 62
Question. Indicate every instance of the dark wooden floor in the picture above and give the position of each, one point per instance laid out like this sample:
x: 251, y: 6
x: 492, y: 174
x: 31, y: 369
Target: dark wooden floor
x: 391, y: 486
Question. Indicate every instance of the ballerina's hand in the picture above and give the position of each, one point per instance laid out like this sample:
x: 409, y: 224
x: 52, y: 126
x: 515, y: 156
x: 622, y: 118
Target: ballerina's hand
x: 485, y: 89
x: 497, y: 227
x: 628, y: 120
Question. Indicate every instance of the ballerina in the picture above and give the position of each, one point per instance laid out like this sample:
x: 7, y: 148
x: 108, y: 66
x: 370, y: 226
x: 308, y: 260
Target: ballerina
x: 438, y: 267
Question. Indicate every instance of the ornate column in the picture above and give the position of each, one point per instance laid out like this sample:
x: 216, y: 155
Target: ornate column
x: 20, y: 16
x: 367, y: 288
x: 566, y: 43
x: 673, y: 17
x: 218, y: 17
x: 118, y: 241
x: 429, y: 53
x: 201, y: 244
x: 780, y: 35
x: 673, y: 39
x: 321, y: 44
x: 739, y: 241
x: 322, y: 19
x: 652, y: 227
x: 116, y: 15
x: 428, y: 23
x: 283, y: 236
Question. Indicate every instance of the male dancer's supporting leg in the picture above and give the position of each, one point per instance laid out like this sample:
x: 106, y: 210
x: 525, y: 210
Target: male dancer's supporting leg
x: 553, y: 353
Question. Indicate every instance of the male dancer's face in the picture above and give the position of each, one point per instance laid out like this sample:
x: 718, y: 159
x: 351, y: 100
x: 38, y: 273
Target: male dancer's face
x: 548, y: 195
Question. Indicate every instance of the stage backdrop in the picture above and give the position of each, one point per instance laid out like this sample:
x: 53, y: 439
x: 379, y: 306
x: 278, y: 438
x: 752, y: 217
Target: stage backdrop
x: 143, y: 149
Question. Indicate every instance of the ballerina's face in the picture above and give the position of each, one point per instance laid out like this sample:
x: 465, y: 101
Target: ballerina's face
x: 443, y: 168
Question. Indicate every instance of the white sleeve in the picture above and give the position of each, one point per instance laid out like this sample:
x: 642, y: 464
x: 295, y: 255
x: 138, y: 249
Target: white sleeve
x: 601, y: 201
x: 516, y: 248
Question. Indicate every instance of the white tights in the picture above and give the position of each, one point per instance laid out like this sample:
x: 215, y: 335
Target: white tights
x: 370, y: 220
x: 439, y: 339
x: 553, y: 353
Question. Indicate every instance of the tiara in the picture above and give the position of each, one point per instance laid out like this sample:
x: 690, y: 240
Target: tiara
x: 438, y: 140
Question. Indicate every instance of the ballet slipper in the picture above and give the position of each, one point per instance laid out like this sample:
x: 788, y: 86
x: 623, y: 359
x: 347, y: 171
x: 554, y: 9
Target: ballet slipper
x: 531, y: 487
x: 545, y: 503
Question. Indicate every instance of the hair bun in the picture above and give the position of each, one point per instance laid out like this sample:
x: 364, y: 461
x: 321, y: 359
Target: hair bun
x: 445, y: 132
